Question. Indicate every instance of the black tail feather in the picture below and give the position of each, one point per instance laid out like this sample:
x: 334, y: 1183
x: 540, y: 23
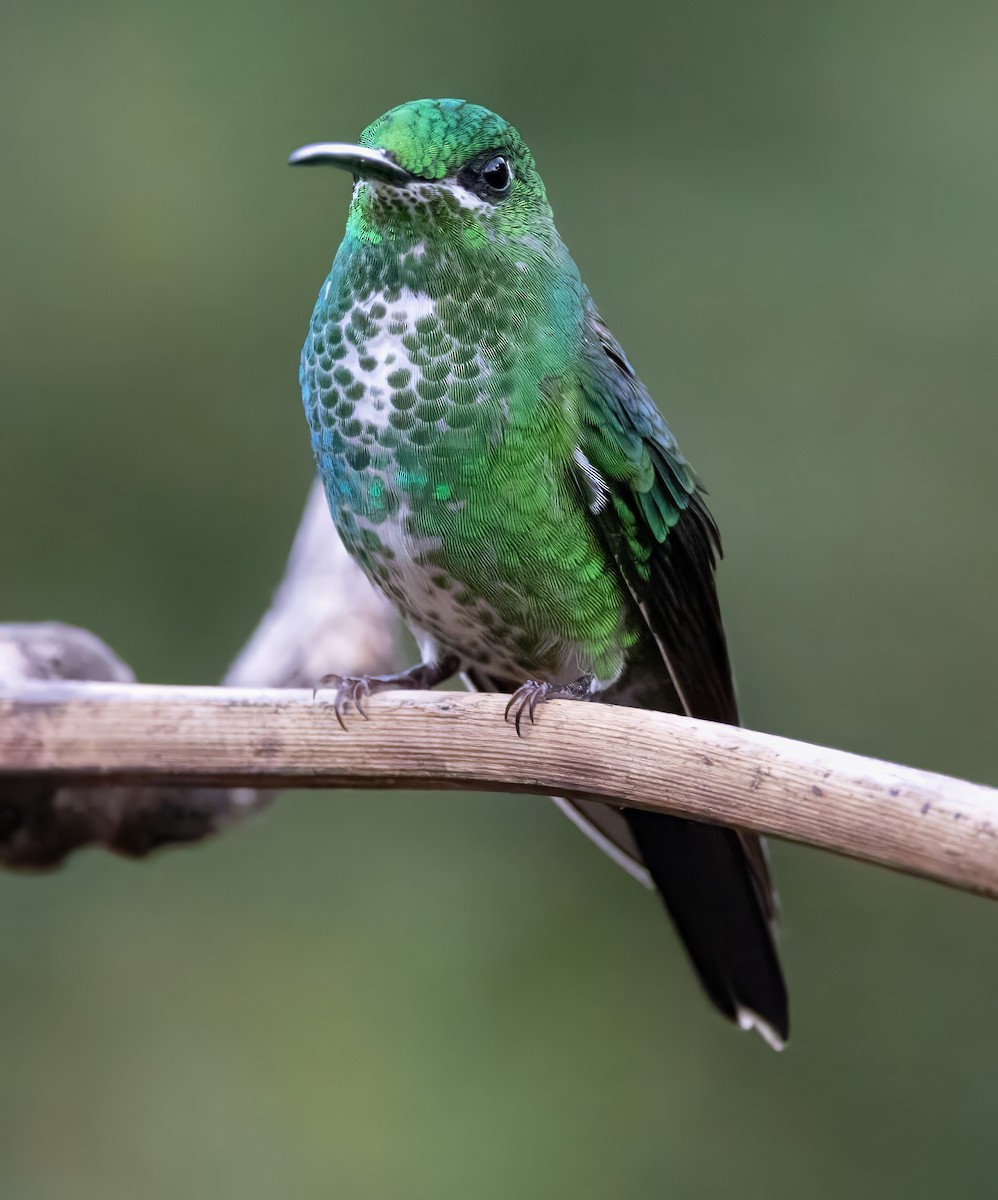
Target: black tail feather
x: 715, y: 885
x: 711, y: 892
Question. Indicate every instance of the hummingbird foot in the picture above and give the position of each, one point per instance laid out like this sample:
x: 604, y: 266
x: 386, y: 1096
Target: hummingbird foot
x: 355, y: 689
x: 525, y: 699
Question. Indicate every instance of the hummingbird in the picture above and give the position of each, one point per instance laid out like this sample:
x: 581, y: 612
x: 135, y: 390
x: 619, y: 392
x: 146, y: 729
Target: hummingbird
x: 496, y: 467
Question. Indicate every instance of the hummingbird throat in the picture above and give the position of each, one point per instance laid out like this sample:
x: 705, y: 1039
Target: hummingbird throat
x: 416, y: 211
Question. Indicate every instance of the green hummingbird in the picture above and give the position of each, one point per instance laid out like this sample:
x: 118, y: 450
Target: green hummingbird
x: 498, y: 470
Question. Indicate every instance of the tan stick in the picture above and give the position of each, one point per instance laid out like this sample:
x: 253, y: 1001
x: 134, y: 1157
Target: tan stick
x: 926, y: 824
x: 325, y: 616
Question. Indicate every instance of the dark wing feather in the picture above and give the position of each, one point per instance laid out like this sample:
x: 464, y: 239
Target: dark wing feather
x: 648, y: 508
x: 658, y: 528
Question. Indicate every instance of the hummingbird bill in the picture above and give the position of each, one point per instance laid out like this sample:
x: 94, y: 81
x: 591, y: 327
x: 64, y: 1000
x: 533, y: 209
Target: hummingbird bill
x: 496, y: 467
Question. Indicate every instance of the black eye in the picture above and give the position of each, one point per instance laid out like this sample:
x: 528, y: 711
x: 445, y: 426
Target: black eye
x: 497, y: 174
x: 489, y: 176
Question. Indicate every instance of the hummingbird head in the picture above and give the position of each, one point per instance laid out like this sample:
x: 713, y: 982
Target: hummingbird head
x: 441, y: 168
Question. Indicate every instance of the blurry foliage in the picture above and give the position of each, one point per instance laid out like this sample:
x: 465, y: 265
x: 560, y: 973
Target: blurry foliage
x: 787, y: 213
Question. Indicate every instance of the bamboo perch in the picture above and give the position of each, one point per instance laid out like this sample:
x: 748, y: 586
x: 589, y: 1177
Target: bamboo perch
x: 105, y: 734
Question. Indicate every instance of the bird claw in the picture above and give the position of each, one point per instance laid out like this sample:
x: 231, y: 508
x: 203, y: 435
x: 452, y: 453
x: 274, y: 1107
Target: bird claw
x: 350, y: 689
x: 356, y: 689
x: 525, y: 701
x: 527, y: 697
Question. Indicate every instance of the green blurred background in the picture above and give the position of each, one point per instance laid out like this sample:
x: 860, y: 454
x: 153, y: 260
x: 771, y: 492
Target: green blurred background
x: 787, y: 212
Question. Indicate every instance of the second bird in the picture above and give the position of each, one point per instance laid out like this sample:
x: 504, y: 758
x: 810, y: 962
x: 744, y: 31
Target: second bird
x: 499, y: 471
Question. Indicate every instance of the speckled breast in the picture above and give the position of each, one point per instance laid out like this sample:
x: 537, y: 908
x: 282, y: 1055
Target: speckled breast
x: 401, y: 409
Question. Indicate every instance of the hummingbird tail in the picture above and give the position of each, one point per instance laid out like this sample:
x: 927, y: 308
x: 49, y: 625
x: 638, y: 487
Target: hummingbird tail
x: 715, y: 885
x: 709, y: 880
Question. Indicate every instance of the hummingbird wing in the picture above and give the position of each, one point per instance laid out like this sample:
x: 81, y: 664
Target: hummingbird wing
x: 656, y: 525
x: 648, y: 508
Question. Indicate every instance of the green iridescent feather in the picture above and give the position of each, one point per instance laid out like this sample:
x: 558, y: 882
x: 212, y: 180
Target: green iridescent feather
x: 493, y: 462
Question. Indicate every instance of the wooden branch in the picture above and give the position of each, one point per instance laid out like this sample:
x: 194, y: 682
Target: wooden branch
x: 914, y: 821
x: 325, y: 616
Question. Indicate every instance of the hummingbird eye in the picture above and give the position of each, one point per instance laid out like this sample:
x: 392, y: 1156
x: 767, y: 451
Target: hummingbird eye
x: 497, y: 174
x: 489, y: 176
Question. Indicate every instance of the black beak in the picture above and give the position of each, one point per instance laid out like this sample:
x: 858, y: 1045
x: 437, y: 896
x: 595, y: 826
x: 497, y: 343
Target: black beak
x: 362, y: 161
